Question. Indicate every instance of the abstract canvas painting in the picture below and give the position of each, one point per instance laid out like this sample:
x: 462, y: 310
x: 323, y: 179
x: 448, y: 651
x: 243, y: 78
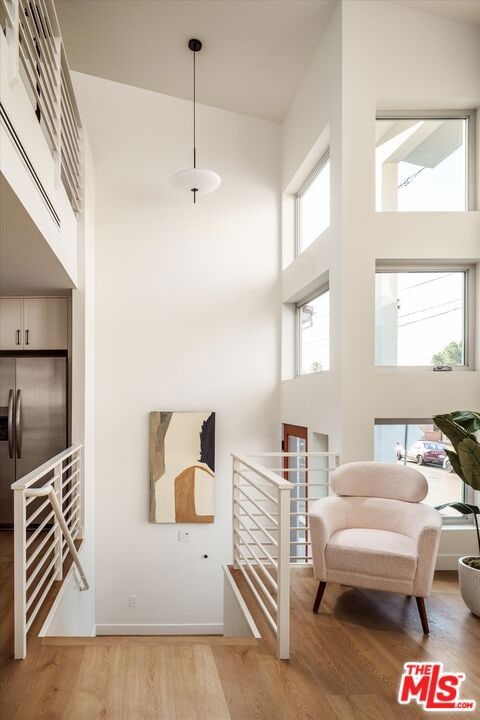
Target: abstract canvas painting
x: 182, y: 467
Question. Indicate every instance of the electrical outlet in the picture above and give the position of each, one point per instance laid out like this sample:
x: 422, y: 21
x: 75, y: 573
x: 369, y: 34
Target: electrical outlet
x: 183, y: 536
x: 132, y: 601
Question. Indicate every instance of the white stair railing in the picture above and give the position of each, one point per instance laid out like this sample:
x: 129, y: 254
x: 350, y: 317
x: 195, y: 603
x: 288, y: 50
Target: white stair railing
x: 261, y: 522
x: 36, y: 55
x: 270, y: 526
x: 48, y: 518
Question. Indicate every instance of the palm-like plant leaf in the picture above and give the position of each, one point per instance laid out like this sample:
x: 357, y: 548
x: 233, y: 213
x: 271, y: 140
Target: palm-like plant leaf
x: 467, y: 419
x: 455, y: 432
x: 464, y: 508
x: 468, y: 452
x: 457, y: 468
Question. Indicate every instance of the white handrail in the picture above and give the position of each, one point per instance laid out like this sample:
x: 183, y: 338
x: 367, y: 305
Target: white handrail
x: 33, y: 476
x: 36, y: 57
x: 270, y: 527
x: 48, y: 518
x: 49, y: 492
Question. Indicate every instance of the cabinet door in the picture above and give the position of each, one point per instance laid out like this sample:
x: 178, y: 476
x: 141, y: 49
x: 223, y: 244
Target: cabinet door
x: 45, y: 323
x: 11, y: 325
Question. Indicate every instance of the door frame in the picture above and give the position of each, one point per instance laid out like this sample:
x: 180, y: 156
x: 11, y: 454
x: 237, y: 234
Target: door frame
x: 298, y: 431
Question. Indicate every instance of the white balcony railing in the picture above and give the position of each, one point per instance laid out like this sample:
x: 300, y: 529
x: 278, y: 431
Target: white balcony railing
x: 270, y: 526
x: 36, y: 51
x: 48, y: 519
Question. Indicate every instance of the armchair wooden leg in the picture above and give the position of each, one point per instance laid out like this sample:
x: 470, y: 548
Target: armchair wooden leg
x: 423, y: 615
x: 319, y: 596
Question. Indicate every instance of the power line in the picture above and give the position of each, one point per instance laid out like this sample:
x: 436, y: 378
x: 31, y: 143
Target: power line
x: 412, y: 322
x: 431, y: 307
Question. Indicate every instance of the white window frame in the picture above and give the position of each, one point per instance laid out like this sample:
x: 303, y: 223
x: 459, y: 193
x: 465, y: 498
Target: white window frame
x: 468, y: 495
x: 469, y: 305
x: 298, y: 330
x: 470, y: 157
x: 298, y: 200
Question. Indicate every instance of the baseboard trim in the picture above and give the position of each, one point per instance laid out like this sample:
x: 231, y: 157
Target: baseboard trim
x: 160, y: 629
x: 447, y: 561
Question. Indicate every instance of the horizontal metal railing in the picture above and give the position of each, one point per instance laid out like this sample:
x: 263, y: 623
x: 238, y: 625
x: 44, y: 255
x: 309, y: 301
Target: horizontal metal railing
x: 36, y: 49
x: 48, y: 518
x: 270, y: 525
x: 7, y: 15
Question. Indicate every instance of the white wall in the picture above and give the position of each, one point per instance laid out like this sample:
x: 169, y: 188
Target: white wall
x: 73, y: 612
x: 19, y: 109
x: 312, y: 125
x: 426, y: 62
x: 187, y: 318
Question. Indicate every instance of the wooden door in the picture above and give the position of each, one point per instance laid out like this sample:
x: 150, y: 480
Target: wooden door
x: 295, y: 439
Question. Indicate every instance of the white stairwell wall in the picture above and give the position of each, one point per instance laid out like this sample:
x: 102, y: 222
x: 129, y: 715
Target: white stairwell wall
x: 74, y: 611
x: 187, y: 318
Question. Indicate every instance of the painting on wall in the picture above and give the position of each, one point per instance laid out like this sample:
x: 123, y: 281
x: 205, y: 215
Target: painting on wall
x: 182, y: 467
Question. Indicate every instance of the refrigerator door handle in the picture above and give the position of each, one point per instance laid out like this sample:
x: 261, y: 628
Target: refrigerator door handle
x: 18, y: 423
x: 10, y: 423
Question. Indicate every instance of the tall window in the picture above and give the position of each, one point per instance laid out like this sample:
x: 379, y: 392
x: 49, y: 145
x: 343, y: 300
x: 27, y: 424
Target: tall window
x: 420, y: 444
x: 313, y: 323
x: 313, y: 205
x: 421, y: 318
x: 423, y: 163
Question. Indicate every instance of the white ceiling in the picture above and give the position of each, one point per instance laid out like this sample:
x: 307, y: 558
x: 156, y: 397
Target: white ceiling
x: 466, y: 11
x: 255, y: 51
x: 28, y: 265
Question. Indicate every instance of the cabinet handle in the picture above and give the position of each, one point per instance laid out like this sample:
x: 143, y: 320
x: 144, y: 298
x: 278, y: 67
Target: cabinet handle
x: 18, y: 337
x: 26, y: 336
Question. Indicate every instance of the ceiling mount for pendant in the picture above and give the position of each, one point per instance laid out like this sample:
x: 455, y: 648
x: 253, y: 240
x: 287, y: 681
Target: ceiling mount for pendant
x: 194, y: 45
x: 196, y: 180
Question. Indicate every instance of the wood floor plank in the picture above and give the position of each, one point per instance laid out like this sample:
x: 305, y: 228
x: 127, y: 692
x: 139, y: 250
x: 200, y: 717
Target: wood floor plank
x: 197, y: 688
x: 345, y: 663
x: 147, y: 683
x: 246, y: 690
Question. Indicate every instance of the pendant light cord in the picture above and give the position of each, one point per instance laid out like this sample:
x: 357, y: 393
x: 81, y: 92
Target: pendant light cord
x: 194, y: 115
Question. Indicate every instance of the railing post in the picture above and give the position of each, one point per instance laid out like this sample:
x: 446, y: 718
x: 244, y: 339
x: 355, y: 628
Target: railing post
x: 283, y: 580
x: 57, y: 486
x: 81, y: 500
x: 20, y: 574
x: 235, y: 510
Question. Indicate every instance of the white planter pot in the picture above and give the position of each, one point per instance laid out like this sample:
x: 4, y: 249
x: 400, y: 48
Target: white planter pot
x: 469, y: 581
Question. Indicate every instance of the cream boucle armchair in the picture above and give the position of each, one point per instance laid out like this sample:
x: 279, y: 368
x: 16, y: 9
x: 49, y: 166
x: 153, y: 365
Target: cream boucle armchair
x: 375, y: 533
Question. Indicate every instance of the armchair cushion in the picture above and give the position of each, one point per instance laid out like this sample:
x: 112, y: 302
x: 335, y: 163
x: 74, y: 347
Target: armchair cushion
x: 372, y: 552
x: 381, y: 480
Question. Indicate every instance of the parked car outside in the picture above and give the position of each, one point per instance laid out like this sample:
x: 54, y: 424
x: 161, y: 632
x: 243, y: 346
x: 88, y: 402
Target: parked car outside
x: 427, y: 452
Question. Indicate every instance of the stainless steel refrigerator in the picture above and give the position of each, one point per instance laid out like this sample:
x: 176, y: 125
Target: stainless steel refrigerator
x: 33, y: 419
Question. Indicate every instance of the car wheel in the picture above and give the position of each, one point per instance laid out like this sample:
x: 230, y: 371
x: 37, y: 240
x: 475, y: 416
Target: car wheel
x: 419, y: 460
x: 447, y: 465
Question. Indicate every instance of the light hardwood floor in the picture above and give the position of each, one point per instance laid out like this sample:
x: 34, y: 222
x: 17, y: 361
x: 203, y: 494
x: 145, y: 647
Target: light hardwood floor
x: 345, y: 665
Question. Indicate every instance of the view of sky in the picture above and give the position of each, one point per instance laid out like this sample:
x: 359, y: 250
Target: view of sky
x: 438, y: 188
x: 315, y: 208
x: 314, y: 345
x: 429, y: 315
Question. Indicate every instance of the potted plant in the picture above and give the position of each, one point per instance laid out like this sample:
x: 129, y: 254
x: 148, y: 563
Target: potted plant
x: 460, y: 428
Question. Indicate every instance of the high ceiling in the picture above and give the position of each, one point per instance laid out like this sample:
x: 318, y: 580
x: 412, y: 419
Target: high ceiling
x: 466, y: 11
x: 255, y: 51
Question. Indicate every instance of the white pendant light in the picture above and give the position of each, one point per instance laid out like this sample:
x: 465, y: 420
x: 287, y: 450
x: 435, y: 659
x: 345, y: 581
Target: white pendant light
x: 196, y: 180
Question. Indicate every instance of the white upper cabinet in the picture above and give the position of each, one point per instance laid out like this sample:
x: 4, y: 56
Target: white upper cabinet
x: 11, y: 324
x: 33, y: 323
